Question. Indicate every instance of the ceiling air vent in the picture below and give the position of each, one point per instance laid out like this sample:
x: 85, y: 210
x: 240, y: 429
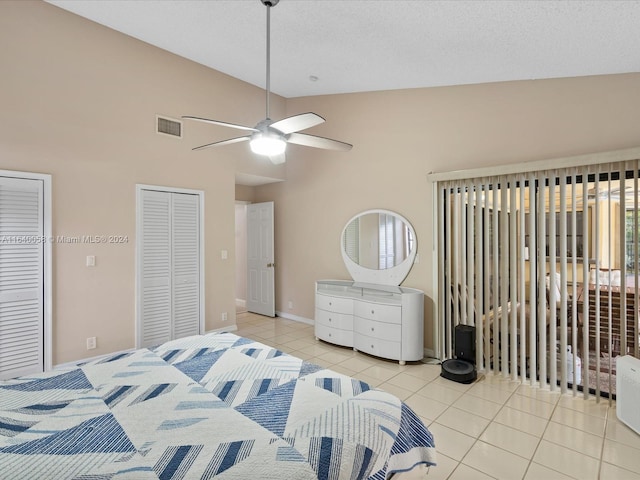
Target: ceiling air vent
x: 168, y: 126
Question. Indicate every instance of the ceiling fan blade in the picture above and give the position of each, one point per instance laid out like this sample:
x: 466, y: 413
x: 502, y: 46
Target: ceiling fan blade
x: 217, y: 122
x: 277, y: 159
x: 297, y: 122
x: 222, y: 142
x: 318, y: 142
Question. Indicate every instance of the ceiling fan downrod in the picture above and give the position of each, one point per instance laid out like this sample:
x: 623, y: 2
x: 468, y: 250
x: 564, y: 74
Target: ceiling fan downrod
x: 269, y: 4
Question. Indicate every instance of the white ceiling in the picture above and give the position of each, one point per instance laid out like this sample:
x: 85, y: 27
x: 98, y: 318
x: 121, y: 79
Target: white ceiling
x: 368, y: 45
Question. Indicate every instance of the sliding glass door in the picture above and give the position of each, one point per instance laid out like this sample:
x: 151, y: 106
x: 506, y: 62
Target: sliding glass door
x: 545, y: 265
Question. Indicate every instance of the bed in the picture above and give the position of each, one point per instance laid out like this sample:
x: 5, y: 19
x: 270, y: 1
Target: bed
x: 215, y: 405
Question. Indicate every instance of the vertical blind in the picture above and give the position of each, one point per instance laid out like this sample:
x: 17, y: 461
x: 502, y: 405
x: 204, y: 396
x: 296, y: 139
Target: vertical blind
x: 545, y: 265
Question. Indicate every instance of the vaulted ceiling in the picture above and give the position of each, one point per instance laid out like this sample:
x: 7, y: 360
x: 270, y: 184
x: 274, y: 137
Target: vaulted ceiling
x: 327, y: 47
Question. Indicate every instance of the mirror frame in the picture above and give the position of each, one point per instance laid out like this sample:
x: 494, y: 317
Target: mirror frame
x: 391, y: 276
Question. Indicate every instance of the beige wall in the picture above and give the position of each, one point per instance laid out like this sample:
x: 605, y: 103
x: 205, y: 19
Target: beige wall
x: 245, y: 193
x: 78, y: 101
x: 400, y: 136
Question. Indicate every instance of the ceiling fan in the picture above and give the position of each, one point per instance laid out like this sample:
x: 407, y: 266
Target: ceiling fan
x: 270, y: 138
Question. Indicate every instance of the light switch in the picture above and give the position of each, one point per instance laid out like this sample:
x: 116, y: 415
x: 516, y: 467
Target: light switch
x: 91, y: 260
x: 224, y: 254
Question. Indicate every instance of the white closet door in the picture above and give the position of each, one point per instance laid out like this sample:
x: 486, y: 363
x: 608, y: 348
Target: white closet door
x: 155, y: 266
x: 169, y: 267
x: 21, y: 277
x: 186, y: 264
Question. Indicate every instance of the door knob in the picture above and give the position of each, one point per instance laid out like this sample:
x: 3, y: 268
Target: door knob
x: 271, y: 265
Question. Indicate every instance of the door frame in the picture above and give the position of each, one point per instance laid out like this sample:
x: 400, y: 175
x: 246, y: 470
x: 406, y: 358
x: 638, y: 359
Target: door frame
x: 138, y: 305
x: 241, y: 257
x: 47, y: 261
x: 270, y: 311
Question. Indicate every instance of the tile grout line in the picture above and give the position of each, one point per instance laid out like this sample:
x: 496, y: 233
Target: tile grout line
x: 555, y: 406
x: 604, y: 440
x: 488, y: 425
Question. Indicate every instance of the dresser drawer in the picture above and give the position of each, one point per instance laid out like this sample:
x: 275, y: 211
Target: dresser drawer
x: 378, y: 347
x: 334, y: 320
x: 379, y: 313
x: 381, y: 330
x: 334, y: 335
x: 334, y: 304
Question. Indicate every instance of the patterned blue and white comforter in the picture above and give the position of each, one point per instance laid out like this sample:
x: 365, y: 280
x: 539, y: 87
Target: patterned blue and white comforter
x: 209, y: 406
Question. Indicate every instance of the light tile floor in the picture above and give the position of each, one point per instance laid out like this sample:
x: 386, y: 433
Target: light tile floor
x: 493, y: 428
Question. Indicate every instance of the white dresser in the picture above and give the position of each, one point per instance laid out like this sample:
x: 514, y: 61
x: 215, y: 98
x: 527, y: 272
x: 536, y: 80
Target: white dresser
x: 382, y: 320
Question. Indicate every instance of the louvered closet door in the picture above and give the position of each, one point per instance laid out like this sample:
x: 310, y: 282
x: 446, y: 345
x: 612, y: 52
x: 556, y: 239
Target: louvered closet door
x: 186, y: 265
x: 156, y: 268
x: 170, y: 266
x: 21, y: 277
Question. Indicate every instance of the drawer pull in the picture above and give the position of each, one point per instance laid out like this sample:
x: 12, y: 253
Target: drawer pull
x: 330, y: 303
x: 372, y: 329
x: 329, y: 319
x: 372, y: 312
x: 371, y: 346
x: 330, y: 335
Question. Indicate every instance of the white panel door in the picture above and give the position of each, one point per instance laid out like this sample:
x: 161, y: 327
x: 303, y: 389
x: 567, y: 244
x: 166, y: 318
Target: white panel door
x: 21, y: 277
x: 260, y: 259
x: 155, y: 268
x: 186, y: 264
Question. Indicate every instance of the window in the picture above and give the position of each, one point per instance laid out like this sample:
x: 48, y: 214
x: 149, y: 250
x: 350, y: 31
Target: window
x: 631, y: 227
x: 395, y: 241
x: 566, y: 219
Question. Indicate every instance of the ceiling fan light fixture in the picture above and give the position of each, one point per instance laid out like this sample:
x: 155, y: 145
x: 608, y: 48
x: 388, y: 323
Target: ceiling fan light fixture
x: 268, y: 145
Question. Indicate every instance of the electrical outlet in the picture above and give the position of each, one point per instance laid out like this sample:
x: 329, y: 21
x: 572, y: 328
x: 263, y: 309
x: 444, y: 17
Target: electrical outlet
x: 224, y: 316
x: 91, y: 343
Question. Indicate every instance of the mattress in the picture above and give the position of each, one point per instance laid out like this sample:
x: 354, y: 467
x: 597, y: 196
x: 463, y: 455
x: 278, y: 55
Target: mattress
x: 208, y: 406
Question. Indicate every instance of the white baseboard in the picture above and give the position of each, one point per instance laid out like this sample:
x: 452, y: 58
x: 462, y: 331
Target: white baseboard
x: 429, y: 353
x: 230, y: 328
x: 430, y: 357
x: 75, y: 363
x: 295, y: 318
x: 67, y: 365
x: 241, y: 303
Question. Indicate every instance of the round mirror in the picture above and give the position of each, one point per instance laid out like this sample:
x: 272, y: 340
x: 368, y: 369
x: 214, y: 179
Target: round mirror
x: 378, y: 246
